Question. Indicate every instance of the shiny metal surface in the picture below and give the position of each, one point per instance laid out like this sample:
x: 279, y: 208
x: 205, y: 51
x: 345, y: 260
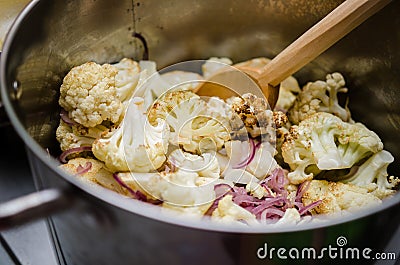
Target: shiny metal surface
x: 56, y: 35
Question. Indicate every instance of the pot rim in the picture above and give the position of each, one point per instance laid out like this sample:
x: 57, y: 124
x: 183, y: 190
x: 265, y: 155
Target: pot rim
x: 137, y: 207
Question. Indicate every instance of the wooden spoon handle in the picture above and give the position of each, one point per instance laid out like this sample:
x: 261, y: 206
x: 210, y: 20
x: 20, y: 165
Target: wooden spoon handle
x: 317, y: 39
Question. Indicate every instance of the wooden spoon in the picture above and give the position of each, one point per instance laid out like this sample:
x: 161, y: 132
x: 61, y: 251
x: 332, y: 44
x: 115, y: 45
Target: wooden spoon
x: 343, y: 19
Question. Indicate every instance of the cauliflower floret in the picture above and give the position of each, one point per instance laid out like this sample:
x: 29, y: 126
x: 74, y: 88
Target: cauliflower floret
x: 337, y: 196
x: 181, y: 188
x: 136, y: 145
x: 324, y: 142
x: 229, y: 212
x: 205, y: 165
x: 372, y: 174
x: 73, y: 136
x: 320, y: 96
x: 94, y: 172
x: 256, y: 158
x: 191, y: 125
x: 214, y: 64
x: 94, y: 93
x: 152, y: 85
x: 288, y: 90
x: 291, y: 217
x: 253, y: 113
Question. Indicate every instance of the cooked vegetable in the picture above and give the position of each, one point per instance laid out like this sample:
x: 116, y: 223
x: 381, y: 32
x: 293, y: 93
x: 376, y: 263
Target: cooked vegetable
x: 324, y: 142
x: 372, y: 174
x: 232, y: 160
x: 93, y: 93
x: 320, y: 96
x: 336, y: 196
x: 136, y: 145
x: 191, y: 126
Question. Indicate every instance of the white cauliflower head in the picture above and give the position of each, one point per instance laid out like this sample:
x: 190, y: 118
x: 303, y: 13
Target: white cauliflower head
x: 324, y: 142
x: 94, y: 93
x: 320, y: 96
x: 136, y: 145
x: 191, y: 125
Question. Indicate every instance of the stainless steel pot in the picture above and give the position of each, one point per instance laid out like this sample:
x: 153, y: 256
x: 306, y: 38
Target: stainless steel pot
x: 100, y: 227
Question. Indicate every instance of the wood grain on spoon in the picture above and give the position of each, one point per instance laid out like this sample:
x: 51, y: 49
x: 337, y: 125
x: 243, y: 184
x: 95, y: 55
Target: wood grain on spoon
x: 303, y: 50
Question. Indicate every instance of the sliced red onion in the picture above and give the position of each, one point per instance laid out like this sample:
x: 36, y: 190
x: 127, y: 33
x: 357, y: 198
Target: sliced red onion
x: 136, y: 194
x: 245, y: 200
x: 306, y: 209
x: 271, y: 213
x: 80, y: 170
x: 303, y: 187
x: 222, y: 189
x: 65, y: 154
x: 252, y: 152
x: 267, y: 204
x: 64, y: 116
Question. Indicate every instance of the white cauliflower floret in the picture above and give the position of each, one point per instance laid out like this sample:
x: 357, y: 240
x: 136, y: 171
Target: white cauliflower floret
x: 94, y: 93
x: 94, y: 172
x: 372, y: 174
x: 288, y: 90
x: 213, y: 65
x: 320, y: 96
x: 152, y: 85
x: 256, y: 158
x: 229, y: 212
x: 337, y: 196
x: 136, y: 145
x: 74, y: 136
x: 127, y: 79
x: 291, y: 217
x: 324, y: 142
x: 205, y: 165
x: 191, y: 126
x: 181, y: 188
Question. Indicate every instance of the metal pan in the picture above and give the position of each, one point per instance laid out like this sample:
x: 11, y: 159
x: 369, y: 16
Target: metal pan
x: 97, y: 226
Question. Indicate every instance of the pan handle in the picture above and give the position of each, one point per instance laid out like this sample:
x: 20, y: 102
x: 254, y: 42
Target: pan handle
x: 33, y: 206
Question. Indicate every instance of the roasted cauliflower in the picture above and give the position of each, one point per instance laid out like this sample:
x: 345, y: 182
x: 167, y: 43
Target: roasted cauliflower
x: 337, y: 196
x: 191, y: 125
x: 92, y: 93
x: 320, y: 96
x: 136, y: 145
x: 324, y: 142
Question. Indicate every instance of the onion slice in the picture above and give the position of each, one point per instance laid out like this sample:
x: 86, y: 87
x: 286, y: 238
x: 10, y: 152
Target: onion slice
x: 136, y: 194
x: 66, y: 153
x: 80, y: 170
x: 64, y: 116
x: 252, y: 152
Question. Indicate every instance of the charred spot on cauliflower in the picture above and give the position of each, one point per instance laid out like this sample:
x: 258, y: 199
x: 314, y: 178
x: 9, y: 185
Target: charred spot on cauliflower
x: 254, y: 114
